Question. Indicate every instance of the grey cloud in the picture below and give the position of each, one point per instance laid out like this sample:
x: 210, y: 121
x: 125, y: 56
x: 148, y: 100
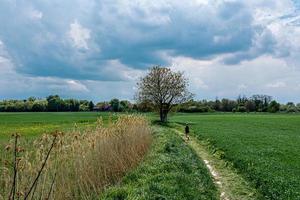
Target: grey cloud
x: 133, y: 33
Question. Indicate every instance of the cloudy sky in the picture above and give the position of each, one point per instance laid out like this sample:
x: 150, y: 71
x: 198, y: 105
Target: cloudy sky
x: 97, y: 49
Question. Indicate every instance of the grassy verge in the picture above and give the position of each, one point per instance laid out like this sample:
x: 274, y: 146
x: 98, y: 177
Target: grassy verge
x: 170, y: 171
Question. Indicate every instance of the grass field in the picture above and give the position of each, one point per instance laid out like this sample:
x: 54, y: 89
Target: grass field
x: 264, y: 148
x: 32, y: 124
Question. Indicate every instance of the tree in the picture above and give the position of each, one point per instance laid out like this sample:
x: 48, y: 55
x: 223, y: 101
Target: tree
x: 71, y: 105
x: 31, y: 99
x: 125, y: 106
x: 55, y: 103
x: 273, y: 107
x: 291, y: 107
x: 39, y: 106
x: 228, y: 105
x: 250, y: 105
x: 164, y: 88
x: 83, y: 107
x: 241, y: 109
x: 261, y: 102
x: 217, y: 105
x: 145, y: 106
x: 91, y: 106
x: 115, y: 104
x: 104, y: 106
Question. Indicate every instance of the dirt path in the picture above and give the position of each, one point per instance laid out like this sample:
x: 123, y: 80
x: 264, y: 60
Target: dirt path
x: 230, y: 185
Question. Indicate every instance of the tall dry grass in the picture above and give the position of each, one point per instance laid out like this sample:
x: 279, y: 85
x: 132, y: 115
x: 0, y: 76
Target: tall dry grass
x: 80, y: 165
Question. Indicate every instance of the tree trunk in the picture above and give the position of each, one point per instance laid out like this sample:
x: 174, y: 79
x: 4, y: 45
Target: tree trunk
x: 163, y: 115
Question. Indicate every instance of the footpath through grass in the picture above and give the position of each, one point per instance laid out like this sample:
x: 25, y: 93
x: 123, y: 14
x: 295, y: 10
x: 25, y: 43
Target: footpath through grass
x: 230, y: 184
x: 170, y: 171
x: 264, y: 148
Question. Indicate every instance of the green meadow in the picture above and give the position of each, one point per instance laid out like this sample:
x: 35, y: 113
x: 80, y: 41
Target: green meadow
x: 32, y: 124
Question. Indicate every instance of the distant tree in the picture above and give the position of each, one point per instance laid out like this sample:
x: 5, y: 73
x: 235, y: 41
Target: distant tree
x: 55, y: 103
x: 84, y: 102
x: 292, y: 110
x: 291, y: 104
x: 71, y: 105
x: 104, y: 106
x: 283, y: 108
x: 31, y: 99
x: 145, y: 106
x: 125, y: 105
x: 217, y: 105
x: 291, y: 107
x: 39, y: 106
x: 241, y: 100
x: 115, y: 104
x: 19, y: 106
x: 250, y: 106
x: 228, y: 105
x: 241, y: 109
x: 83, y: 107
x: 28, y: 105
x: 164, y: 89
x: 192, y: 106
x: 298, y: 106
x: 273, y: 107
x: 261, y: 102
x: 91, y: 106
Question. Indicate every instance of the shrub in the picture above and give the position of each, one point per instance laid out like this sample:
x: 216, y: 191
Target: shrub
x: 39, y: 106
x: 83, y: 107
x: 241, y: 109
x: 273, y: 107
x: 292, y: 109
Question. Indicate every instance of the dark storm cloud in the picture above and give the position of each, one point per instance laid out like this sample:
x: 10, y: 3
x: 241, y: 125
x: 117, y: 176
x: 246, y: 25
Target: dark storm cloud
x: 37, y: 35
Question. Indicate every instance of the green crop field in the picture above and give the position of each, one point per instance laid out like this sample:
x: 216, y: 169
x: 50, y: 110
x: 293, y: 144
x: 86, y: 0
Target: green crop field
x: 32, y: 124
x: 264, y: 148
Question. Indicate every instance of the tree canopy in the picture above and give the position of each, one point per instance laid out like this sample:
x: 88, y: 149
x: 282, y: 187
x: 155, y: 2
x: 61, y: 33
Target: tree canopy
x: 163, y: 88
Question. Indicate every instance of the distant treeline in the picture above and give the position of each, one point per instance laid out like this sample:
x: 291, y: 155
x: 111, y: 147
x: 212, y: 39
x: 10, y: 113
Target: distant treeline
x: 54, y: 103
x: 255, y: 103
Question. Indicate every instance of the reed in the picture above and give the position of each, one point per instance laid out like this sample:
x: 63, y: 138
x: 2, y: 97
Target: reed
x: 74, y: 165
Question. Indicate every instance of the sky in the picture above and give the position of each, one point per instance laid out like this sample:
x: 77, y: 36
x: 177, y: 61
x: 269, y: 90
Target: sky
x: 98, y: 49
